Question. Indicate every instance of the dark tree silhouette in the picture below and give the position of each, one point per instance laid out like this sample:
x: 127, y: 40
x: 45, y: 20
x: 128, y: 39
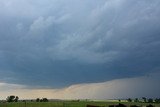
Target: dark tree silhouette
x: 144, y: 99
x: 150, y: 100
x: 37, y: 100
x: 12, y: 98
x: 44, y: 100
x: 136, y: 100
x: 16, y: 99
x: 157, y: 100
x: 129, y: 100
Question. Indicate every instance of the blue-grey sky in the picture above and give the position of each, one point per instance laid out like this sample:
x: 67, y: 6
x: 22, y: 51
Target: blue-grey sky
x: 58, y: 43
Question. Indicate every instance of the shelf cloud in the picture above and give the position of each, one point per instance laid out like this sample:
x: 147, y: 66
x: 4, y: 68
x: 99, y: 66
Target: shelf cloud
x: 144, y: 86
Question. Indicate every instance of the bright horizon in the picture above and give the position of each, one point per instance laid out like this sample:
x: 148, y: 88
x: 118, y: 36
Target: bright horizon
x: 115, y: 89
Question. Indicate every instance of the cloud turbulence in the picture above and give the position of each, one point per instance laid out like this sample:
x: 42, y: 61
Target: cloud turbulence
x: 60, y: 43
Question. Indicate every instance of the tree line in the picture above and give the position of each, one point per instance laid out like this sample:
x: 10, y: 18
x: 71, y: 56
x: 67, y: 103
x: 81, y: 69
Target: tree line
x: 13, y: 98
x: 145, y: 100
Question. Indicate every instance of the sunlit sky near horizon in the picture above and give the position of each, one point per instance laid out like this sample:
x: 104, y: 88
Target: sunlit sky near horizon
x: 98, y: 49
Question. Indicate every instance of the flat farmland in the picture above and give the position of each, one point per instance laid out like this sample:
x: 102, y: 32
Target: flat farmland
x: 71, y: 104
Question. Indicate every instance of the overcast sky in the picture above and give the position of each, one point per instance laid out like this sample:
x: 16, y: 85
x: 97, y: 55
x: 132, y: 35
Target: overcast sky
x: 56, y: 44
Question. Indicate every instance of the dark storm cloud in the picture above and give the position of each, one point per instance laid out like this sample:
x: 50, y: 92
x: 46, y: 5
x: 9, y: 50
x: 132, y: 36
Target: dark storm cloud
x: 57, y: 43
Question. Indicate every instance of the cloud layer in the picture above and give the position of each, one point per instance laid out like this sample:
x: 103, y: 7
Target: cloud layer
x: 58, y: 43
x: 145, y: 86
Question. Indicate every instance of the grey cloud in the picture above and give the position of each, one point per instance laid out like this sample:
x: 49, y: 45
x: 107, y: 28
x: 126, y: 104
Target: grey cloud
x: 57, y: 41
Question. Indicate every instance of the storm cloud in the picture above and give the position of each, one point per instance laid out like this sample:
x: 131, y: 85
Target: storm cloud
x: 58, y: 43
x: 116, y: 89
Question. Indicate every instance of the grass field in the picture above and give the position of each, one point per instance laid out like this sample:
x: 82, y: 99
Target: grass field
x: 68, y: 104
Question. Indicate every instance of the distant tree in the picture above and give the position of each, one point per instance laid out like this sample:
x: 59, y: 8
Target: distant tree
x: 37, y: 100
x: 136, y: 100
x: 144, y: 99
x: 157, y: 100
x: 16, y: 99
x: 44, y: 100
x: 10, y: 98
x: 129, y: 100
x: 150, y: 100
x: 41, y: 100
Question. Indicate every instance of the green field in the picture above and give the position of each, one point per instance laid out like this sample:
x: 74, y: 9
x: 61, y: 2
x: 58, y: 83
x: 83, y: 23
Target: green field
x: 68, y: 104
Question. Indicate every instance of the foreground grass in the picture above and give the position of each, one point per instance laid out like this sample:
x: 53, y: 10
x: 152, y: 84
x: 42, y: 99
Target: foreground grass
x: 69, y: 104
